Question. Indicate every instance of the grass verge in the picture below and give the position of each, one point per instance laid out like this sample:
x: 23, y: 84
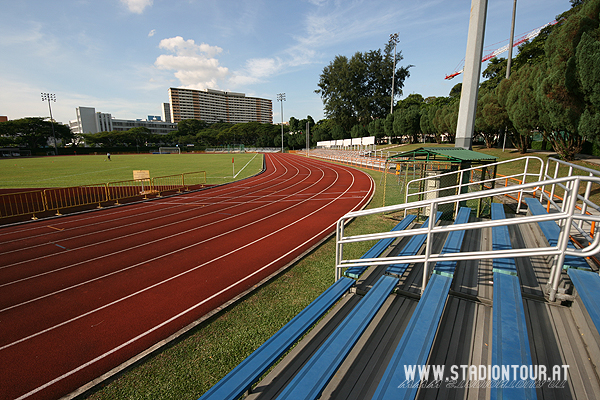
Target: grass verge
x: 190, y: 367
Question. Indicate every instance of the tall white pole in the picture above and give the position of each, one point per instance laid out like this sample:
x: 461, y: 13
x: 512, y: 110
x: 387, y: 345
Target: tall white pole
x: 281, y: 98
x: 393, y: 39
x: 512, y: 39
x: 51, y: 97
x: 470, y: 87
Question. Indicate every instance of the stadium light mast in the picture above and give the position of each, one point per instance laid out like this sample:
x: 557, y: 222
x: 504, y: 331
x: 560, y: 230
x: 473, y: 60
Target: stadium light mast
x: 51, y: 97
x: 393, y: 40
x: 281, y: 98
x: 468, y: 97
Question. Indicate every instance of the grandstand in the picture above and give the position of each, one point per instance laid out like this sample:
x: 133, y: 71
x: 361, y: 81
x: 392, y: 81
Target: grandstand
x: 474, y: 295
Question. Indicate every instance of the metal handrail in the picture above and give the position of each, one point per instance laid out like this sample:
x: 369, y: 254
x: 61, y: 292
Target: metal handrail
x: 461, y: 183
x: 564, y: 218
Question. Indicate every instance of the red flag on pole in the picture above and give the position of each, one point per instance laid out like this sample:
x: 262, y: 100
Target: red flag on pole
x: 232, y: 160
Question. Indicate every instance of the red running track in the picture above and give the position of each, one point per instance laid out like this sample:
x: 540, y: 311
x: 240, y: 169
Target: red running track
x: 82, y: 294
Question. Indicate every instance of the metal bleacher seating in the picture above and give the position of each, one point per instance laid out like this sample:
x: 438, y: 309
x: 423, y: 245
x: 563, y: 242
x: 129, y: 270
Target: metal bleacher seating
x: 320, y: 368
x: 415, y: 344
x: 510, y: 342
x: 411, y: 248
x: 243, y: 376
x: 585, y: 281
x: 379, y: 247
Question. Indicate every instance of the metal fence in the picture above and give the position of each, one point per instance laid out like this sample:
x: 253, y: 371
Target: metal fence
x: 22, y: 203
x: 59, y: 199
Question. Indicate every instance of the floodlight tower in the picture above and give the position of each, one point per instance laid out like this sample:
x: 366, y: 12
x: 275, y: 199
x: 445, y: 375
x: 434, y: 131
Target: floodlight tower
x: 51, y: 97
x: 281, y: 98
x: 393, y: 40
x: 470, y: 87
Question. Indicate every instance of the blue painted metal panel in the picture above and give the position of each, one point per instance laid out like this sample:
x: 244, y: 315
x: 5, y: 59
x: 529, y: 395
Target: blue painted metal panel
x: 310, y: 381
x: 416, y: 342
x: 501, y: 241
x: 587, y: 284
x: 510, y: 343
x: 411, y: 249
x: 552, y: 231
x: 379, y: 247
x: 241, y: 378
x: 453, y: 244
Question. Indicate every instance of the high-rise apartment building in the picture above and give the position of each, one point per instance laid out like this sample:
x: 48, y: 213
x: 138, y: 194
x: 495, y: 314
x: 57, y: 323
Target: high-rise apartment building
x: 166, y: 112
x: 214, y: 105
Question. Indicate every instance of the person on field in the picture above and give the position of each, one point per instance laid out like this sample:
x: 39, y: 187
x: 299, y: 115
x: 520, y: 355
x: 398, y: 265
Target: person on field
x: 108, y: 156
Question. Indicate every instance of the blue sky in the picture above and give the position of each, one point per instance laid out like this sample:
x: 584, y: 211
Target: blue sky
x: 121, y: 56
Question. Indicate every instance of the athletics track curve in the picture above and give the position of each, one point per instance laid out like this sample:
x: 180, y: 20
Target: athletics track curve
x: 82, y: 294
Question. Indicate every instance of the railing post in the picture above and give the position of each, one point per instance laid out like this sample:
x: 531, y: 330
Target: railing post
x: 429, y: 243
x: 588, y: 191
x: 339, y: 247
x: 569, y: 203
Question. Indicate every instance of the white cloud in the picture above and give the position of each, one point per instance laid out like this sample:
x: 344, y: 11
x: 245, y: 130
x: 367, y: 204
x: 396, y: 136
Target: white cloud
x: 195, y: 65
x: 256, y: 70
x: 152, y: 33
x: 137, y: 6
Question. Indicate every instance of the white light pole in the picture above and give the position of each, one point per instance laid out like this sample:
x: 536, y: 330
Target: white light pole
x: 393, y: 40
x: 281, y: 98
x: 48, y: 97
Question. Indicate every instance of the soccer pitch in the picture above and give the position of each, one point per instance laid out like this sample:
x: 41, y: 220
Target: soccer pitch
x: 63, y: 171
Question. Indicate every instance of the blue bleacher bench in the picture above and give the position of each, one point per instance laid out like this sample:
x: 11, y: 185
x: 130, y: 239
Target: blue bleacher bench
x: 501, y: 241
x: 587, y: 284
x: 310, y: 381
x: 510, y: 342
x: 551, y: 231
x: 583, y: 278
x: 379, y: 247
x: 243, y: 376
x: 411, y: 249
x: 453, y: 244
x: 417, y: 340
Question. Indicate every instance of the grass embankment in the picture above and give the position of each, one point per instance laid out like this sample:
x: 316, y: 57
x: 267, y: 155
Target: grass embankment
x: 190, y: 367
x: 62, y: 171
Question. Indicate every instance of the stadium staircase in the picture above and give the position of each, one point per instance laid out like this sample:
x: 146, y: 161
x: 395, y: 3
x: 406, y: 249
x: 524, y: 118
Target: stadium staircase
x: 507, y: 290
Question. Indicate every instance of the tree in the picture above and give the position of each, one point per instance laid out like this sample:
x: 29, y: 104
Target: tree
x: 358, y: 90
x: 359, y: 131
x: 588, y: 67
x: 376, y: 128
x: 407, y: 122
x: 191, y: 127
x: 322, y: 131
x: 34, y: 132
x: 560, y: 92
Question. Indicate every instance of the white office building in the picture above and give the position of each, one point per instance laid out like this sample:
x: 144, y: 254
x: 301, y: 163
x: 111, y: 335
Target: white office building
x: 90, y: 121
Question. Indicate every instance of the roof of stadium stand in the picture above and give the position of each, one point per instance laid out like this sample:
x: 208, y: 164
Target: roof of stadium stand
x: 441, y: 154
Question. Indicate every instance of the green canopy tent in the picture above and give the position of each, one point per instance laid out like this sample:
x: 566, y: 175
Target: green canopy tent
x: 429, y: 172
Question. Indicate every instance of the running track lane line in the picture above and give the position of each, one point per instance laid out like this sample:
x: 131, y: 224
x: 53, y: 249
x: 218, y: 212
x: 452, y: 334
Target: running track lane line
x: 146, y: 261
x: 156, y: 327
x: 157, y: 258
x: 144, y: 205
x: 114, y: 239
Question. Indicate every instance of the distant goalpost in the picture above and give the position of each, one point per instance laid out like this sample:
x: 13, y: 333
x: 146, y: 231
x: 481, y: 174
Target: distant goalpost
x: 169, y: 150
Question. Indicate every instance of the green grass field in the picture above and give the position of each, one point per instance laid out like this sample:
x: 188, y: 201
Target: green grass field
x: 62, y: 171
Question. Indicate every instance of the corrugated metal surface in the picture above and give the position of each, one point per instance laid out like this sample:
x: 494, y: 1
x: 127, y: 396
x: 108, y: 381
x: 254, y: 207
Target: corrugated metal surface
x: 452, y: 153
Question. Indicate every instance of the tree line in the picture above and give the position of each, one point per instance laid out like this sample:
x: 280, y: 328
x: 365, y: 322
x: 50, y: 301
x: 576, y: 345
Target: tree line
x: 33, y: 133
x: 553, y: 91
